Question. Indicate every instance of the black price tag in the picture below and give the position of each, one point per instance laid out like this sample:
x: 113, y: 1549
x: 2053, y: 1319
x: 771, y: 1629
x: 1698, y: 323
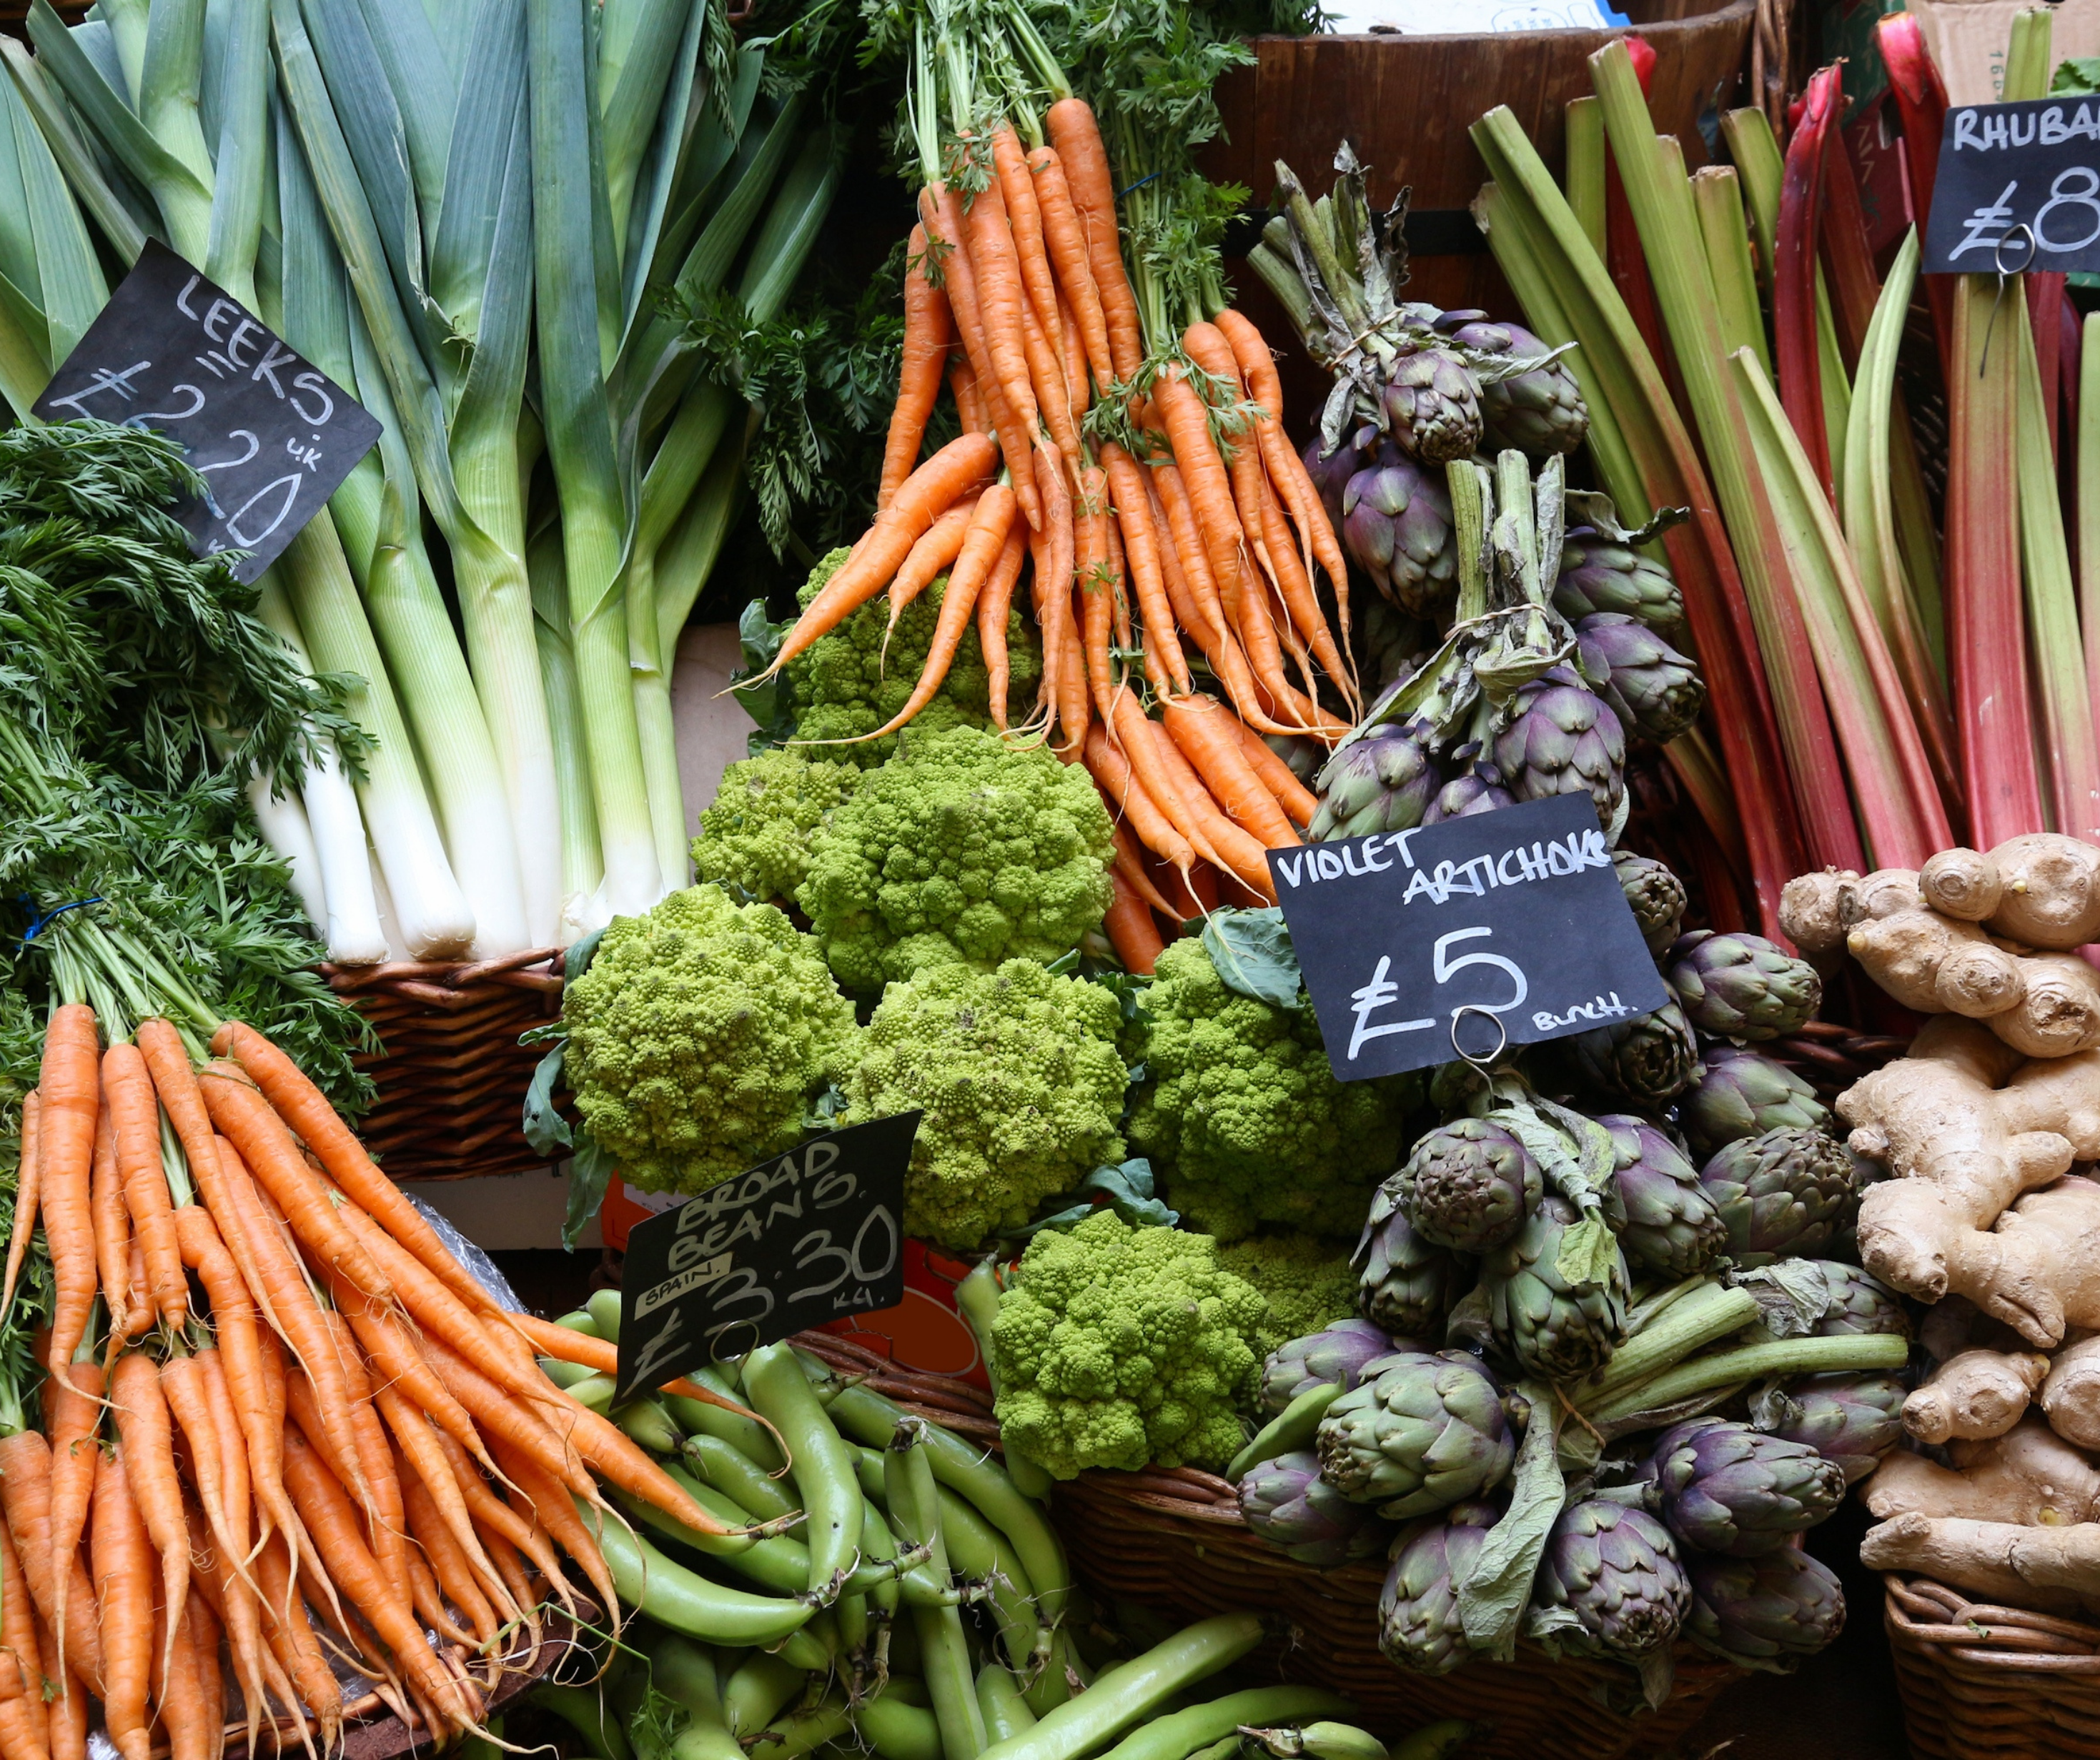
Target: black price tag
x: 271, y: 435
x: 800, y: 1239
x: 1509, y: 927
x: 2018, y: 187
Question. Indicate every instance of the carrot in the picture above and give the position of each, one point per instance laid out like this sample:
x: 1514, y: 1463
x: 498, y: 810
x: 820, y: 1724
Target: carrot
x: 1298, y: 802
x: 1091, y: 521
x: 274, y: 1163
x: 290, y: 1636
x: 238, y: 1357
x: 1295, y: 586
x: 927, y: 330
x: 500, y: 1525
x: 1203, y: 477
x: 237, y: 1610
x: 124, y: 1594
x: 1001, y: 299
x: 389, y: 1527
x: 994, y: 603
x: 72, y: 1412
x: 1129, y: 797
x: 1024, y: 215
x: 1046, y: 372
x: 536, y: 1495
x: 331, y: 1520
x: 419, y: 1448
x: 18, y: 1631
x: 1065, y: 240
x: 135, y: 1119
x: 449, y: 1560
x: 70, y: 1089
x: 935, y: 552
x: 503, y: 1418
x: 182, y: 1387
x: 969, y: 401
x: 1074, y: 356
x: 153, y: 1486
x: 1120, y: 584
x: 1077, y: 136
x: 111, y: 1223
x: 1243, y: 854
x: 1054, y: 559
x: 66, y: 1726
x: 20, y: 1737
x: 178, y: 1690
x: 1130, y: 862
x: 25, y: 1501
x: 957, y: 468
x: 1183, y: 555
x: 1140, y: 539
x: 1132, y: 932
x: 204, y: 1633
x: 1204, y: 730
x: 1162, y: 782
x: 396, y: 1356
x: 1075, y: 708
x: 29, y: 1169
x: 510, y: 1567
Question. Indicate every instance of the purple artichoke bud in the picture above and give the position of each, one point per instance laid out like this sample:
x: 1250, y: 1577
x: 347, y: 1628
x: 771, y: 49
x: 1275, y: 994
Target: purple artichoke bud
x: 1427, y: 1431
x: 1333, y: 1357
x: 1737, y: 1093
x: 1477, y: 790
x: 1554, y: 1327
x: 1383, y: 782
x: 1288, y: 1503
x: 1657, y: 691
x: 1850, y: 1418
x: 1470, y: 1185
x: 1540, y: 412
x: 1418, y: 1623
x: 1406, y: 1285
x: 1396, y: 522
x: 1672, y: 1226
x: 1741, y: 986
x: 1656, y: 895
x: 1724, y: 1487
x: 1616, y: 1570
x: 1647, y: 1059
x: 1331, y: 473
x: 1562, y: 738
x: 1764, y: 1612
x: 1782, y: 1192
x: 1597, y: 574
x: 1433, y: 404
x: 1859, y: 1302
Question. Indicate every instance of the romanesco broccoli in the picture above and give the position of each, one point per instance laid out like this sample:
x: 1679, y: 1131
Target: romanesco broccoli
x: 697, y: 1036
x: 1021, y: 1084
x: 1309, y: 1283
x: 847, y: 683
x: 1240, y: 1110
x: 1120, y: 1347
x: 962, y: 850
x: 756, y: 837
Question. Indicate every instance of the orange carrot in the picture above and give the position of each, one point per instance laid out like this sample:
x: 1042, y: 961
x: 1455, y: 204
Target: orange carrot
x: 135, y: 1119
x: 417, y: 1450
x: 388, y: 1526
x: 1120, y: 584
x: 29, y: 1170
x: 1001, y: 299
x: 1091, y: 538
x: 237, y: 1610
x: 449, y: 1560
x: 957, y: 468
x: 1066, y: 240
x: 179, y: 1697
x: 124, y: 1593
x: 67, y: 1726
x: 969, y: 401
x: 139, y: 1295
x: 534, y: 1494
x: 1128, y: 798
x: 1242, y: 853
x: 73, y: 1413
x: 25, y: 1501
x: 1298, y: 802
x: 1133, y: 736
x: 398, y: 1359
x: 1023, y: 213
x: 927, y: 330
x: 1077, y: 136
x: 18, y: 1632
x: 152, y: 1485
x: 290, y: 1636
x: 69, y: 1089
x: 502, y: 1417
x: 994, y: 603
x: 1140, y: 538
x: 1130, y: 862
x: 1203, y: 477
x: 112, y: 1238
x: 181, y: 1386
x: 1055, y: 560
x: 933, y: 553
x: 1132, y: 932
x: 1197, y: 603
x: 499, y: 1523
x: 1074, y: 356
x: 566, y: 1345
x: 1206, y: 732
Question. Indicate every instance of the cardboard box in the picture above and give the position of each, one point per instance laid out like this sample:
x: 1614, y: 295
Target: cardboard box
x: 1969, y: 39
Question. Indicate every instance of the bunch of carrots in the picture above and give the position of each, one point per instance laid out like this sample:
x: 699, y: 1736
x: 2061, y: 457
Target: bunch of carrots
x: 1148, y: 488
x: 275, y: 1410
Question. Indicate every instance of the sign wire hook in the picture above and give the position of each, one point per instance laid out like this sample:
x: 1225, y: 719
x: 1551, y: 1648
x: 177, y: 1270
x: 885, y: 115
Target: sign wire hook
x: 1484, y: 1063
x: 2005, y: 274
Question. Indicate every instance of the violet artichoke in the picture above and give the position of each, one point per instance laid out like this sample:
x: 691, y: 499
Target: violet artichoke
x: 1782, y: 1193
x: 1396, y: 524
x: 1724, y: 1487
x: 1331, y: 474
x: 1477, y: 789
x: 1433, y: 401
x: 1418, y: 1624
x: 1765, y: 1612
x: 1672, y: 1227
x: 1553, y: 1326
x: 1655, y: 690
x: 1381, y: 782
x: 1656, y: 895
x: 1425, y: 1432
x: 1740, y: 986
x: 1540, y: 412
x: 1737, y: 1093
x: 1647, y: 1059
x: 1562, y: 738
x: 1407, y: 1284
x: 1471, y: 1185
x: 1850, y: 1418
x: 1859, y: 1301
x: 1287, y: 1503
x: 1599, y: 574
x: 1616, y: 1571
x: 1333, y: 1357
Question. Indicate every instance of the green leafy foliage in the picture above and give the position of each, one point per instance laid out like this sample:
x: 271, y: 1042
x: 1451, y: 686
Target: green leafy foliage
x: 1022, y: 1085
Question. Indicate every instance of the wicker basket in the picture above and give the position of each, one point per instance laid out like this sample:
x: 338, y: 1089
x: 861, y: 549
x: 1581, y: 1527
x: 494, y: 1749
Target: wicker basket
x: 452, y: 1076
x: 1978, y: 1680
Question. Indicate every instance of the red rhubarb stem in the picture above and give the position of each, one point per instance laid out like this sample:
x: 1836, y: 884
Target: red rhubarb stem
x: 1793, y: 272
x: 1921, y: 101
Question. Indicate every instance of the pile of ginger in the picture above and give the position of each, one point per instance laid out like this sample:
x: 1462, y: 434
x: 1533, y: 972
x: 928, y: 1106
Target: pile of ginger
x: 1987, y: 1130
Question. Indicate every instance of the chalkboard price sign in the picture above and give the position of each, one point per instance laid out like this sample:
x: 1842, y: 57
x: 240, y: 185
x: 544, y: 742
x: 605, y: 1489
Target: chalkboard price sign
x: 1503, y: 928
x: 2018, y: 187
x: 271, y: 435
x: 809, y: 1236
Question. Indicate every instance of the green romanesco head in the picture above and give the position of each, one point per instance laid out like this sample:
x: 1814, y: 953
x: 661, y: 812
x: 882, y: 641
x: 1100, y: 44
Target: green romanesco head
x: 1309, y: 1283
x: 756, y: 837
x: 965, y: 849
x: 1241, y: 1112
x: 1020, y: 1081
x: 1119, y: 1347
x: 845, y: 685
x: 697, y: 1036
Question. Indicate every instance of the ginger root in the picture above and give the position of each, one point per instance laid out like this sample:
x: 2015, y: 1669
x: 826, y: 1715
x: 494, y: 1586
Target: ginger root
x: 2029, y: 1475
x: 2049, y: 1570
x: 2041, y: 890
x: 2042, y: 1005
x: 1977, y: 1394
x: 2071, y: 1395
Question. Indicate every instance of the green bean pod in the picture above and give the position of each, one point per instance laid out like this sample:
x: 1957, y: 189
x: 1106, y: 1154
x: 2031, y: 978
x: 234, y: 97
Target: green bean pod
x: 758, y: 1692
x: 868, y: 1469
x: 914, y: 1508
x: 1006, y: 1713
x: 585, y: 1712
x: 744, y: 1434
x: 603, y: 1309
x: 815, y: 1647
x: 1293, y: 1427
x: 776, y: 1562
x: 595, y: 1391
x: 648, y: 1425
x: 1435, y: 1741
x: 823, y: 1469
x: 974, y: 1476
x: 685, y: 1671
x: 978, y: 1553
x: 1133, y: 1692
x: 856, y: 1620
x: 687, y: 1602
x: 736, y: 1475
x: 563, y: 1375
x: 976, y: 1297
x: 1176, y: 1736
x: 579, y: 1320
x: 897, y: 1731
x: 805, y: 1732
x: 1063, y: 1676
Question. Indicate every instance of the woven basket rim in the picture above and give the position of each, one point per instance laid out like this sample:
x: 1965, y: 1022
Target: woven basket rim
x: 1930, y: 1616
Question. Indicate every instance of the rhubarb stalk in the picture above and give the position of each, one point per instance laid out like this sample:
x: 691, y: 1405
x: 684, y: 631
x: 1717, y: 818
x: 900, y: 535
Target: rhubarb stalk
x: 1586, y: 169
x: 1718, y: 197
x: 1920, y: 102
x: 1793, y: 272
